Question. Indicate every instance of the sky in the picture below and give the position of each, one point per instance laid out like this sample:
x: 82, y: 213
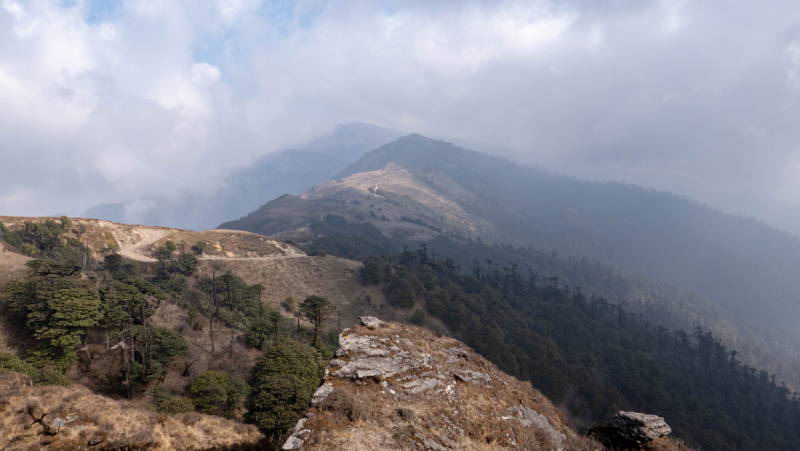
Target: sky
x: 103, y: 101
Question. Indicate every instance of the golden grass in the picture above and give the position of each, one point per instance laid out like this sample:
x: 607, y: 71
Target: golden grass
x: 106, y: 423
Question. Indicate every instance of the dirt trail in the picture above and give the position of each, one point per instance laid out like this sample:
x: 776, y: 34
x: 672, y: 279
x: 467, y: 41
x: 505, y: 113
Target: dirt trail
x: 276, y: 257
x: 134, y: 244
x: 134, y: 250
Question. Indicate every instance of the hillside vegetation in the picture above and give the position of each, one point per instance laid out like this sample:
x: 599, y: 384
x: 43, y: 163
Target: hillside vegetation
x: 418, y: 191
x: 593, y: 357
x: 28, y: 414
x: 740, y: 264
x: 168, y: 326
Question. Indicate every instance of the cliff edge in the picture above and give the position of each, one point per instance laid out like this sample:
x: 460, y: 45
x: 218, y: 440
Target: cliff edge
x: 393, y: 386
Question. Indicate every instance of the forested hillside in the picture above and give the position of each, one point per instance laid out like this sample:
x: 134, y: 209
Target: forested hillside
x: 478, y: 207
x: 595, y: 357
x: 740, y: 264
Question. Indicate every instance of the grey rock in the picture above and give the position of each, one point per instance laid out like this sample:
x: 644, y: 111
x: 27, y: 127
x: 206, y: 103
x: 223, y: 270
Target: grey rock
x: 322, y: 392
x: 370, y: 321
x: 474, y: 377
x: 58, y: 423
x: 295, y: 440
x: 374, y: 367
x: 421, y: 385
x: 640, y: 427
x: 529, y: 417
x: 430, y: 443
x: 363, y: 345
x: 371, y: 357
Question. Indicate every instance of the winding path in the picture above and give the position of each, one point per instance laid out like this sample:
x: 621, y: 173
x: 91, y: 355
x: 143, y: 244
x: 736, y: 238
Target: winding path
x: 148, y: 236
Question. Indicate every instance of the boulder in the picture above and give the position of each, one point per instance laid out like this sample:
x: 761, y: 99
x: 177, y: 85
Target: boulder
x: 628, y: 430
x: 640, y: 427
x: 370, y: 321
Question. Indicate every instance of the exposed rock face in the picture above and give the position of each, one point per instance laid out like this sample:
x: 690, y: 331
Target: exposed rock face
x: 629, y: 430
x: 401, y: 387
x: 640, y: 427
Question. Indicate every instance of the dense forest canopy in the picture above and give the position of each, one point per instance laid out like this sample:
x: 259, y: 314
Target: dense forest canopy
x: 661, y: 303
x: 596, y: 357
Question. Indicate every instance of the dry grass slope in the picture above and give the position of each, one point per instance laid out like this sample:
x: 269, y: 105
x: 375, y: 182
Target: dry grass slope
x: 456, y: 400
x: 27, y: 416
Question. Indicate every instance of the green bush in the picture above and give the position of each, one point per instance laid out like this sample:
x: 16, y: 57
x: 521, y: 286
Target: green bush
x: 233, y: 319
x: 418, y: 318
x: 260, y: 330
x: 165, y: 346
x: 185, y: 264
x: 193, y: 312
x: 164, y: 403
x: 176, y: 405
x: 216, y: 393
x: 402, y: 292
x: 46, y: 375
x: 10, y: 362
x: 287, y: 377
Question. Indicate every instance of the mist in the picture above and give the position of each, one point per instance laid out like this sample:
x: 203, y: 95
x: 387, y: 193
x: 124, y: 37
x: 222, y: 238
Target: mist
x: 104, y: 103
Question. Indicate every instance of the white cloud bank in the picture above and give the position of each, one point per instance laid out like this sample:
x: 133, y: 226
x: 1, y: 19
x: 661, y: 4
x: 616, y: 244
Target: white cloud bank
x: 104, y: 101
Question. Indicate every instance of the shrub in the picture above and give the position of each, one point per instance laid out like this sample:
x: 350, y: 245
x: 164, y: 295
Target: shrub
x: 200, y: 247
x: 290, y: 304
x: 46, y: 375
x: 346, y: 406
x: 418, y: 318
x: 166, y: 345
x: 259, y: 331
x: 406, y: 414
x: 216, y: 393
x: 287, y: 377
x: 185, y: 264
x: 176, y: 405
x: 403, y: 292
x: 164, y: 403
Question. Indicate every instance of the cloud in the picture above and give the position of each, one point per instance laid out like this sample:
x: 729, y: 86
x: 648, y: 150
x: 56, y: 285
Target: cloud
x: 155, y: 97
x: 204, y: 74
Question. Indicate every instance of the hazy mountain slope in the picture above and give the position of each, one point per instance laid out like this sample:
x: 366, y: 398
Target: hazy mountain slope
x: 396, y: 200
x: 742, y: 265
x: 241, y: 190
x: 430, y: 190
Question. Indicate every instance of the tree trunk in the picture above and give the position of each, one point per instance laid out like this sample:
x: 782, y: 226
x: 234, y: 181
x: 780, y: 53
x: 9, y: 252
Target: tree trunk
x: 144, y: 345
x: 211, y: 331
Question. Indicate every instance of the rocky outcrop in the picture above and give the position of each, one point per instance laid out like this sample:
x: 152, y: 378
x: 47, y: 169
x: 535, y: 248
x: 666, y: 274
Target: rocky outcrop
x: 629, y: 430
x: 394, y: 386
x: 640, y: 427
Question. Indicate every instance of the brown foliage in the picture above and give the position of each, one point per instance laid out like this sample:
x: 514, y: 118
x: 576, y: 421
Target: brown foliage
x: 27, y: 414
